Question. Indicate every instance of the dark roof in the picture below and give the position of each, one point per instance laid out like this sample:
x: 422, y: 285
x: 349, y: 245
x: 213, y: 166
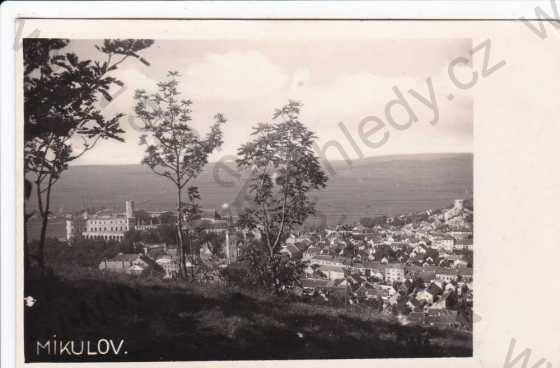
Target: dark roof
x: 292, y: 249
x: 434, y: 289
x: 302, y: 245
x: 152, y: 263
x: 126, y: 257
x: 314, y: 283
x: 426, y: 275
x: 313, y: 250
x: 324, y: 257
x: 337, y: 283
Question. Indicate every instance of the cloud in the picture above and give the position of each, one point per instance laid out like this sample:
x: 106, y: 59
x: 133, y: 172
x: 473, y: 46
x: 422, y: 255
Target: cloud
x: 246, y: 85
x: 351, y: 97
x: 235, y: 75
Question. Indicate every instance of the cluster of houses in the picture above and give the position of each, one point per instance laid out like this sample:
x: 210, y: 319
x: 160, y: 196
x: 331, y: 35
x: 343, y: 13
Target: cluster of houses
x: 435, y: 303
x: 156, y: 259
x: 421, y: 270
x: 417, y: 290
x: 333, y: 267
x: 161, y: 260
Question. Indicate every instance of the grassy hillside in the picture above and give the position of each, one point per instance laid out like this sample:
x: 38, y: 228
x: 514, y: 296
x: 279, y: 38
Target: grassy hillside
x: 180, y: 322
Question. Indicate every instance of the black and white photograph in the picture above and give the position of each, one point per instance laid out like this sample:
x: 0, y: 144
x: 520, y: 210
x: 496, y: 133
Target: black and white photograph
x: 270, y: 191
x: 224, y: 199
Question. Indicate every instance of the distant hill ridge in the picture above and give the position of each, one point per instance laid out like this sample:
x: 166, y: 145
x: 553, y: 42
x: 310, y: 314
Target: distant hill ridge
x: 340, y: 162
x: 388, y: 185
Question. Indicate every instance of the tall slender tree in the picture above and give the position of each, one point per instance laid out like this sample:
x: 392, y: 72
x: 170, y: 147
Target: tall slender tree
x: 283, y: 170
x: 174, y: 150
x: 63, y: 120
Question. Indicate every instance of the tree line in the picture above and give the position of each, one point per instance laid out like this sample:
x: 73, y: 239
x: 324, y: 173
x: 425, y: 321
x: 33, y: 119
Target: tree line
x: 64, y: 121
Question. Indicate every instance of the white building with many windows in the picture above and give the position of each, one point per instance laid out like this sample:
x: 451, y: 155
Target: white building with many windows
x: 110, y: 226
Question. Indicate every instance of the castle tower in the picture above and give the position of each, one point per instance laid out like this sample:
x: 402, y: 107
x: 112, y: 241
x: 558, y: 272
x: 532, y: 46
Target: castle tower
x: 458, y: 204
x: 227, y: 247
x: 129, y: 211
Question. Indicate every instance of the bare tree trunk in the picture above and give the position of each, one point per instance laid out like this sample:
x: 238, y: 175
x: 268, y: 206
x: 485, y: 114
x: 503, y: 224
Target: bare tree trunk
x: 44, y: 211
x: 180, y: 253
x: 42, y: 239
x: 26, y: 262
x: 180, y: 246
x: 190, y: 253
x: 26, y: 216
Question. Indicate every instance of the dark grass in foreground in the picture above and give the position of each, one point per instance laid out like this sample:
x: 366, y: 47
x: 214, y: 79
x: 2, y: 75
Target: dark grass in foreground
x: 160, y: 322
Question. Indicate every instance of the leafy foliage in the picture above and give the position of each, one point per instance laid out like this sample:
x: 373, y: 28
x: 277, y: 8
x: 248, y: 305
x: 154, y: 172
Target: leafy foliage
x: 165, y: 233
x: 214, y: 241
x: 175, y: 152
x: 61, y: 109
x: 173, y: 148
x: 283, y: 170
x: 84, y: 253
x: 258, y: 269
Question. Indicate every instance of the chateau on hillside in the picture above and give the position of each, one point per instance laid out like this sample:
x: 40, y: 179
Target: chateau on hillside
x: 112, y: 226
x: 108, y: 225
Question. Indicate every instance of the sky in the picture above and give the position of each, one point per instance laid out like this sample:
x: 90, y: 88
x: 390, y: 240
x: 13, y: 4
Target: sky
x: 347, y: 89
